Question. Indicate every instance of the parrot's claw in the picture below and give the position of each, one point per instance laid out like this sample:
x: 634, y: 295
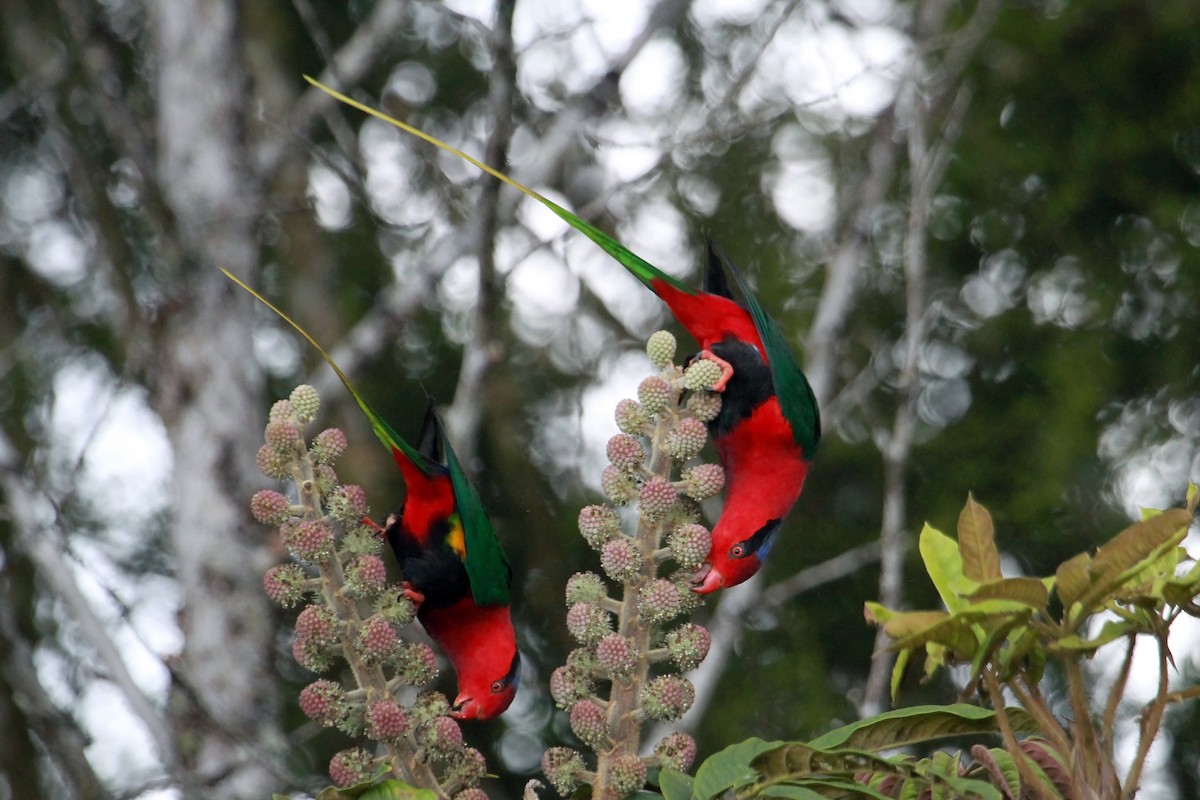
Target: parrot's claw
x: 726, y: 369
x: 415, y: 597
x: 374, y: 526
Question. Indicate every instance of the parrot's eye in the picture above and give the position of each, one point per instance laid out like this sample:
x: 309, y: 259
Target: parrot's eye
x: 498, y: 686
x: 737, y: 551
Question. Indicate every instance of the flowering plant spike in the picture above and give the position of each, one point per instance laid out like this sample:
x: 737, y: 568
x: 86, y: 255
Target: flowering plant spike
x: 632, y: 645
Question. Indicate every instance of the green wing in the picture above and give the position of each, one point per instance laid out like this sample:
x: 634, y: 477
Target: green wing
x: 487, y: 567
x: 391, y: 440
x: 641, y: 269
x: 796, y: 398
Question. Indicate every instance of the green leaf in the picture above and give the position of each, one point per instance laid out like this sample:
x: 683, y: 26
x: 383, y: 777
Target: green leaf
x: 1000, y: 765
x: 935, y: 658
x: 1111, y: 631
x: 904, y: 726
x: 898, y: 670
x: 977, y: 543
x: 397, y: 790
x: 800, y: 759
x: 995, y: 639
x: 877, y: 614
x: 944, y: 564
x: 791, y: 792
x: 1137, y: 542
x: 955, y: 631
x: 844, y: 788
x: 1071, y: 580
x: 729, y: 768
x: 364, y: 790
x: 1028, y: 591
x: 1183, y: 588
x: 916, y: 628
x: 675, y: 785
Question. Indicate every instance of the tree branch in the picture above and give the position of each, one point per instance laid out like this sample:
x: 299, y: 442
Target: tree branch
x: 45, y: 552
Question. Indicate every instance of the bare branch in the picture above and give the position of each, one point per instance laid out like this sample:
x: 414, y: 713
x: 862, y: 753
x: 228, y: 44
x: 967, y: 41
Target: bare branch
x: 480, y: 353
x: 347, y: 67
x: 45, y: 551
x: 840, y: 566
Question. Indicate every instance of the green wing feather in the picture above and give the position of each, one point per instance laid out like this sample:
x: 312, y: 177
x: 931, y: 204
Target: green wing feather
x: 641, y: 269
x: 487, y: 567
x: 391, y: 439
x: 796, y: 398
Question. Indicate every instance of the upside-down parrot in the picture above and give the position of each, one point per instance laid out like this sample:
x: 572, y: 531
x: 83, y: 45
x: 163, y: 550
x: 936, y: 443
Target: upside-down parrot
x: 769, y: 426
x: 453, y: 565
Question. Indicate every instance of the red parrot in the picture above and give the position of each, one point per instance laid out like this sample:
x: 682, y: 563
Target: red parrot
x: 453, y: 565
x: 769, y: 426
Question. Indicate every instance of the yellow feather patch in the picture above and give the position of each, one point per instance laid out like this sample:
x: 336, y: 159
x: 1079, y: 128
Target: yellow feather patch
x: 456, y: 538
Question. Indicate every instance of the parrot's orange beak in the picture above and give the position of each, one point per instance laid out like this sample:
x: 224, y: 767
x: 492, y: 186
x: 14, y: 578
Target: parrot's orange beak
x: 707, y: 580
x: 464, y: 708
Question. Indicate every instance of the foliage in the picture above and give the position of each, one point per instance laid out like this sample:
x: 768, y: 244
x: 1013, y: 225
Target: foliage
x: 1007, y: 631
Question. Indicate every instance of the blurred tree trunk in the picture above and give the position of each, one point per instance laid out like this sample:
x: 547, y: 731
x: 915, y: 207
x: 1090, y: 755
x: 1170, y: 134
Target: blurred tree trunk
x: 208, y: 400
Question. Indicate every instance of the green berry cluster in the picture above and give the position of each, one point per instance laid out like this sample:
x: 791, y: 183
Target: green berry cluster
x: 352, y: 614
x: 632, y: 646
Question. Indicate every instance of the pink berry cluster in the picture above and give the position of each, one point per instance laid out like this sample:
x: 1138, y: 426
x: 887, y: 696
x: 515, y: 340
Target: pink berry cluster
x: 352, y: 614
x: 633, y: 646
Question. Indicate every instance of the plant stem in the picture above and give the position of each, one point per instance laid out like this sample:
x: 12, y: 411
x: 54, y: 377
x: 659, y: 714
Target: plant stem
x: 1114, y: 698
x: 403, y: 756
x: 1151, y: 719
x: 1028, y: 779
x: 624, y: 723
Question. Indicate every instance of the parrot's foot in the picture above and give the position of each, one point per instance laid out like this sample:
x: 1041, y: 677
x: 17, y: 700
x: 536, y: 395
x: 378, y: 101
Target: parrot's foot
x: 726, y: 369
x: 415, y: 597
x: 373, y: 525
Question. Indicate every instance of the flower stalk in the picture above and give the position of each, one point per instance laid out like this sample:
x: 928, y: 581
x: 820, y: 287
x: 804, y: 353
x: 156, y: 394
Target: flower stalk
x: 626, y: 674
x: 352, y: 614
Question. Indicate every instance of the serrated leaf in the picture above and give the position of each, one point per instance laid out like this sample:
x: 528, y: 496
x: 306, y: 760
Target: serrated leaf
x: 904, y: 726
x: 1139, y: 541
x: 729, y: 768
x: 977, y: 543
x: 1028, y: 591
x: 944, y: 564
x: 675, y: 785
x: 1072, y: 580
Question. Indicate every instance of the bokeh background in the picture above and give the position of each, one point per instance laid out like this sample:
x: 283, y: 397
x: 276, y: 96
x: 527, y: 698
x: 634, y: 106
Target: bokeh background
x: 978, y: 223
